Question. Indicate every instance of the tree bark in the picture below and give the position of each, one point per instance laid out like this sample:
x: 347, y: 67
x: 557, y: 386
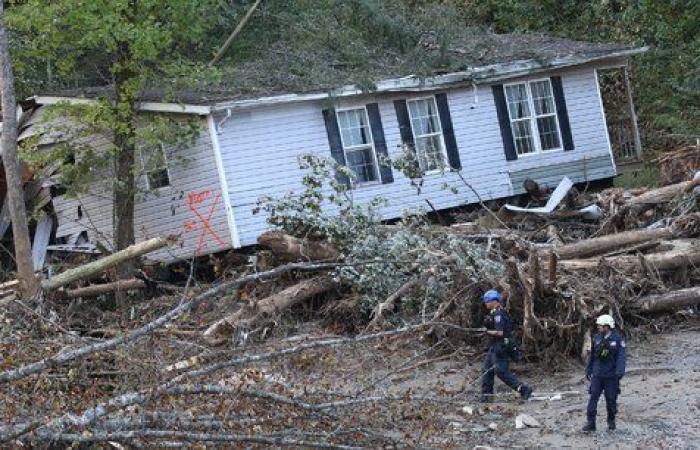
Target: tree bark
x: 669, y: 260
x: 289, y: 248
x: 662, y: 194
x: 611, y: 242
x: 29, y: 284
x: 106, y: 288
x: 251, y: 316
x: 125, y: 108
x: 96, y: 267
x: 670, y: 301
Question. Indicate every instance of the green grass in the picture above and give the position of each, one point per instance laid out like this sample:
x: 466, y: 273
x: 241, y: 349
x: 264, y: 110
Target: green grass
x: 646, y: 177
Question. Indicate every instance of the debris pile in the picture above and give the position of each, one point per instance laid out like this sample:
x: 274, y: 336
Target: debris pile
x: 215, y: 363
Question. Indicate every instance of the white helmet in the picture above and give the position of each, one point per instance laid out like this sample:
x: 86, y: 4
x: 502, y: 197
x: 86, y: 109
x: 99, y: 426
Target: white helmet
x: 605, y: 319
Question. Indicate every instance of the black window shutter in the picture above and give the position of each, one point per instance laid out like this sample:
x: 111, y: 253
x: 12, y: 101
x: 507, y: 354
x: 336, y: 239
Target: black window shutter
x: 335, y: 142
x: 405, y: 125
x: 448, y: 131
x: 562, y: 114
x: 504, y: 122
x: 375, y: 123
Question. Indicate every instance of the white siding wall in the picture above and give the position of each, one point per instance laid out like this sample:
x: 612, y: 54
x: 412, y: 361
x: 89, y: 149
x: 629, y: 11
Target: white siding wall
x: 192, y: 171
x: 260, y: 147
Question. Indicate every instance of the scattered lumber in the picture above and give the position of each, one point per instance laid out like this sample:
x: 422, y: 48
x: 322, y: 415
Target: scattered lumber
x: 289, y: 248
x: 670, y: 301
x: 255, y: 314
x: 97, y: 267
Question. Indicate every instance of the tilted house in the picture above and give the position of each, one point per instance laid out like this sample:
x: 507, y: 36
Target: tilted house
x: 527, y: 106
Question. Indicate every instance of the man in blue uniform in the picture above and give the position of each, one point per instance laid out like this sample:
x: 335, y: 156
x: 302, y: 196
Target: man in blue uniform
x: 499, y: 329
x: 606, y: 366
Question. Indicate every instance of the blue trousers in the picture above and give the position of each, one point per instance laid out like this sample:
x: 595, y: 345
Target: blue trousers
x: 608, y: 385
x: 496, y: 364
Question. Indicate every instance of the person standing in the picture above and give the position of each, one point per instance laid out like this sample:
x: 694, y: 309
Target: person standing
x: 606, y: 366
x: 499, y: 329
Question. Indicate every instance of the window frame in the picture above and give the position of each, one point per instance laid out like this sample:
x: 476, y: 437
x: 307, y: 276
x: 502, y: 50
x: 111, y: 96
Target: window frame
x: 371, y: 145
x: 532, y: 119
x: 445, y: 161
x: 146, y: 171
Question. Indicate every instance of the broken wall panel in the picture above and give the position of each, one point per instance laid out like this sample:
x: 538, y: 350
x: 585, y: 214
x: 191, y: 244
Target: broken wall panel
x: 190, y: 206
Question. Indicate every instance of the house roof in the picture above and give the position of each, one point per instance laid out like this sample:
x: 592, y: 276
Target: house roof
x: 283, y: 75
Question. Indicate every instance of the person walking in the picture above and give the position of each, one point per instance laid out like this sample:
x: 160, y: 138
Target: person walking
x: 499, y: 329
x: 606, y: 366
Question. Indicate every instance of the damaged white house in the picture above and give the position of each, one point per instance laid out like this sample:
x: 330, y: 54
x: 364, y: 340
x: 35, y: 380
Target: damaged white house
x: 498, y: 120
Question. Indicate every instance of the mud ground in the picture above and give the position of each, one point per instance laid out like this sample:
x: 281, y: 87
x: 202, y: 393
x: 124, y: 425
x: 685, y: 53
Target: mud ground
x: 659, y: 406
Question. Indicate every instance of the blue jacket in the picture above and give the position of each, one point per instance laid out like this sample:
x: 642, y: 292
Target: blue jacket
x: 499, y: 320
x: 608, y: 356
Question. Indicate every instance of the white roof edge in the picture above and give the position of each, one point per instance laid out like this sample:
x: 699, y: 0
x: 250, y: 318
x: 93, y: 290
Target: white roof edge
x: 479, y: 75
x: 144, y: 106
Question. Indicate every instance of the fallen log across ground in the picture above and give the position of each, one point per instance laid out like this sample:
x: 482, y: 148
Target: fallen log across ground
x: 250, y: 316
x: 670, y: 301
x: 684, y: 255
x: 611, y: 242
x: 106, y: 288
x: 663, y: 194
x: 290, y: 248
x: 97, y: 267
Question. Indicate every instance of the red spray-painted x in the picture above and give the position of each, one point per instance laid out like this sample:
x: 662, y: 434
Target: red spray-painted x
x: 198, y: 198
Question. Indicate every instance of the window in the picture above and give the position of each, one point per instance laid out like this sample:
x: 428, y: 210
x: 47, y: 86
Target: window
x: 427, y: 134
x: 533, y: 117
x: 358, y: 146
x: 155, y: 165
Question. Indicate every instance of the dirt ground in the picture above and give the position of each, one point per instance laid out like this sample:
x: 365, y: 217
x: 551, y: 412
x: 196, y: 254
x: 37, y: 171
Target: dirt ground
x: 658, y: 408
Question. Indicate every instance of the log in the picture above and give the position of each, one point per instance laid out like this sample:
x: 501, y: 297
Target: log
x: 96, y: 267
x: 106, y: 288
x: 611, y: 242
x: 663, y: 194
x: 251, y: 316
x: 289, y: 248
x: 683, y: 256
x: 670, y: 301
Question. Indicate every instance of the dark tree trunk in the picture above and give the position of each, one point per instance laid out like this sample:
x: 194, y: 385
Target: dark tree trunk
x: 125, y: 84
x: 29, y: 284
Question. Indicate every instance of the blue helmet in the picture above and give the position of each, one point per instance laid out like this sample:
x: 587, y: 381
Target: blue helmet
x: 491, y: 296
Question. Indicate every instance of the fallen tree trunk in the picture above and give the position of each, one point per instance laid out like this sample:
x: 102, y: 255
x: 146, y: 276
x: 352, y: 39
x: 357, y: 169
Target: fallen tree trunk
x: 249, y: 317
x: 671, y: 300
x: 663, y: 194
x: 96, y: 267
x: 290, y: 248
x: 684, y: 256
x: 106, y: 288
x: 610, y: 242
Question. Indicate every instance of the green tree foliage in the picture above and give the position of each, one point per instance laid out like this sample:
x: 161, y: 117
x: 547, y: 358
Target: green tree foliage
x: 132, y: 46
x: 665, y: 80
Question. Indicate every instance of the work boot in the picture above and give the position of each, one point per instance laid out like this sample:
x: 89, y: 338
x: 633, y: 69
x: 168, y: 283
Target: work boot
x: 611, y: 424
x: 588, y: 427
x: 525, y: 391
